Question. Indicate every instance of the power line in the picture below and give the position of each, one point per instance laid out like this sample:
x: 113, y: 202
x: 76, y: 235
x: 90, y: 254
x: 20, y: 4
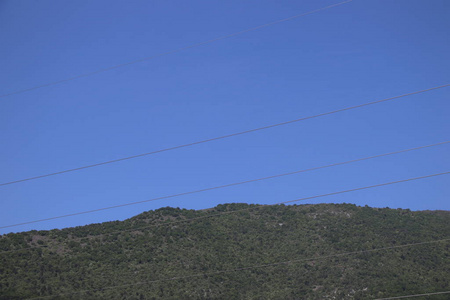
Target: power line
x: 173, y: 51
x: 222, y: 213
x: 231, y: 184
x: 415, y: 295
x: 367, y: 187
x: 249, y: 268
x: 224, y: 136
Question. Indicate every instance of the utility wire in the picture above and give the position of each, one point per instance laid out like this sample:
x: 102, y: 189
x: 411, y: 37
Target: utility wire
x: 225, y: 136
x: 248, y: 268
x: 230, y: 184
x: 415, y: 295
x: 241, y: 210
x: 173, y: 51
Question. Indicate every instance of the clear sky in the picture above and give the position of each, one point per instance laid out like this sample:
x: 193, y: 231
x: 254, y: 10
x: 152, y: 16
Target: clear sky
x: 351, y: 54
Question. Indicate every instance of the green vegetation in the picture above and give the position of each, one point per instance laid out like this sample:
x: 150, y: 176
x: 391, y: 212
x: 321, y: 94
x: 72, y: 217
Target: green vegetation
x: 82, y: 262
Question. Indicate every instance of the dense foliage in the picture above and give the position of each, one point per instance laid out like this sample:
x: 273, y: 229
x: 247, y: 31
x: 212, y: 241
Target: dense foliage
x: 147, y: 256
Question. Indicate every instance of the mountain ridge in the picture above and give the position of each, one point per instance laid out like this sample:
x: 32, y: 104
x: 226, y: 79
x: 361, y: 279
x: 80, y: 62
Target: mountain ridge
x: 165, y: 243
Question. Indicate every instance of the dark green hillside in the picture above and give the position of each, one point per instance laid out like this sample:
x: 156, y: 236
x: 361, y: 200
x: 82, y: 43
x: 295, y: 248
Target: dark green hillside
x: 75, y: 259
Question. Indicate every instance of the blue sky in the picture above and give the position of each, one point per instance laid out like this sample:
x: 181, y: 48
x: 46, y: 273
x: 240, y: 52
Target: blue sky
x: 354, y: 53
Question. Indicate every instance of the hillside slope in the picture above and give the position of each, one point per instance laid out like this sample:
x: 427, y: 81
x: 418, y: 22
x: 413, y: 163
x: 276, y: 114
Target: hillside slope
x: 143, y: 253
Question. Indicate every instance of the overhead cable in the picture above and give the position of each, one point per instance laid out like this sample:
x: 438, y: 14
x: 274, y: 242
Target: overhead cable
x: 284, y: 202
x: 216, y: 214
x: 173, y: 51
x: 415, y: 295
x: 247, y: 268
x: 231, y: 184
x: 224, y: 136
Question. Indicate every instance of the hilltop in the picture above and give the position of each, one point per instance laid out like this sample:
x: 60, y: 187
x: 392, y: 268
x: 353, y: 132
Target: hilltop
x: 142, y: 253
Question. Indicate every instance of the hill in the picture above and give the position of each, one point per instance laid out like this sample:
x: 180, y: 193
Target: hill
x: 163, y: 254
